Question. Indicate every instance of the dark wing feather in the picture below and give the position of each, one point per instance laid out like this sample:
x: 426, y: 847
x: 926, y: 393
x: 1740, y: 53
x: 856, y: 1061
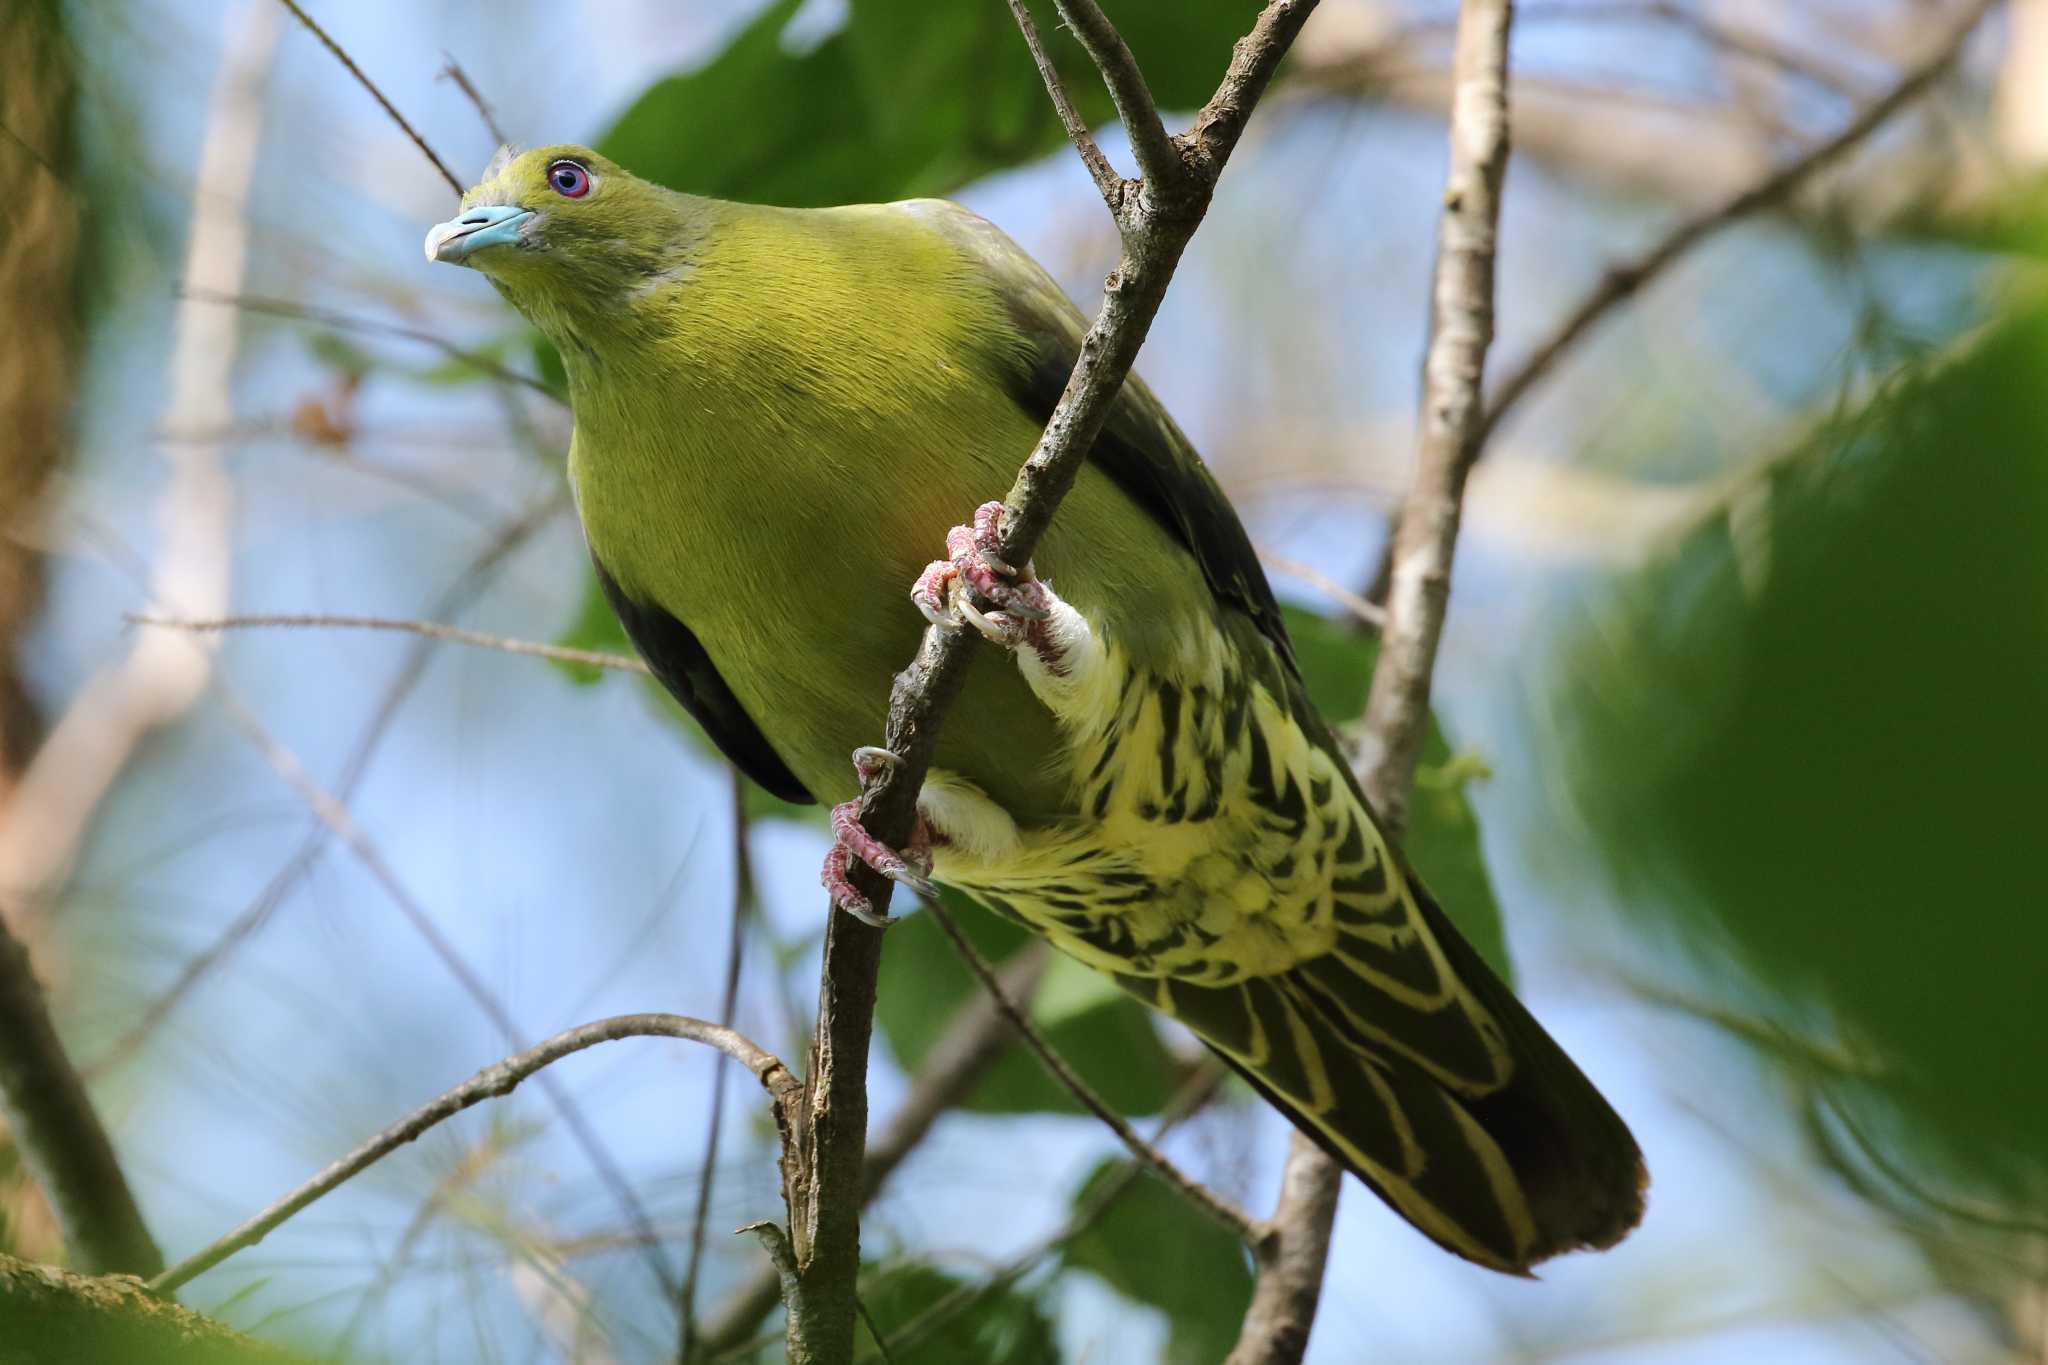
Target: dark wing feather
x: 683, y: 667
x: 1140, y: 448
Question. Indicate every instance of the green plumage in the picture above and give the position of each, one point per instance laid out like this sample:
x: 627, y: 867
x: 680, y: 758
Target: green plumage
x: 780, y: 412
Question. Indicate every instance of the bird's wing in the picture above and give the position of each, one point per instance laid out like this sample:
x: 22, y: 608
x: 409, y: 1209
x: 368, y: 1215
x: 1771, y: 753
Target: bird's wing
x: 685, y: 669
x: 1140, y: 448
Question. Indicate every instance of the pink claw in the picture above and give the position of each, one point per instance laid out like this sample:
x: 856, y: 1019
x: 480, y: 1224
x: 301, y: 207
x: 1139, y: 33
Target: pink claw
x: 850, y: 840
x: 948, y: 589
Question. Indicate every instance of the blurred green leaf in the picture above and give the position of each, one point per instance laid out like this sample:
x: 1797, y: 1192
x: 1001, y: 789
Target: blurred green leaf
x: 1153, y: 1247
x: 1814, y: 739
x: 339, y: 355
x: 1443, y: 833
x: 1005, y: 1327
x: 1107, y: 1036
x: 907, y: 98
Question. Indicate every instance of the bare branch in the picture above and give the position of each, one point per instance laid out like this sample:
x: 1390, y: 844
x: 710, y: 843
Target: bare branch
x: 58, y: 1132
x: 1253, y: 61
x: 451, y: 70
x: 348, y: 62
x: 1292, y: 1258
x: 1158, y: 158
x: 1625, y: 280
x: 1196, y: 1093
x: 472, y: 581
x: 337, y: 818
x: 1228, y: 1215
x: 728, y: 1005
x: 350, y: 322
x: 824, y: 1221
x: 972, y: 1042
x: 497, y: 1079
x: 1368, y: 613
x: 432, y: 630
x: 1106, y: 178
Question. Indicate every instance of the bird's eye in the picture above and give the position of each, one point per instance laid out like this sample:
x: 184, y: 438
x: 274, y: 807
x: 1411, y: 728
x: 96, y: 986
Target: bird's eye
x: 570, y: 180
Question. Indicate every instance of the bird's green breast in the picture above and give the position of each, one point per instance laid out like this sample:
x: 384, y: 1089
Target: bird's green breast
x: 824, y: 402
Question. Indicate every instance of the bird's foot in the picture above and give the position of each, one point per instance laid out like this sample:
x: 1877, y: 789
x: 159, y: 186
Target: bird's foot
x: 949, y: 590
x: 851, y: 842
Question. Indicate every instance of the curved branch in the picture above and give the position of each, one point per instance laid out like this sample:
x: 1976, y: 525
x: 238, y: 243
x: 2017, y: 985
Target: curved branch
x: 1233, y: 1219
x: 1623, y: 281
x: 376, y: 94
x: 498, y: 1079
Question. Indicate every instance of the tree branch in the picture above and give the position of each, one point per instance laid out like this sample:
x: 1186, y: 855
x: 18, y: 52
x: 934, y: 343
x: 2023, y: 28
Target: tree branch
x: 1623, y: 281
x: 1293, y: 1256
x: 466, y: 587
x: 431, y: 630
x: 58, y: 1133
x: 348, y: 62
x: 827, y: 1166
x: 497, y: 1079
x: 54, y: 1316
x: 1226, y: 1214
x: 972, y: 1042
x: 338, y: 819
x: 1107, y: 180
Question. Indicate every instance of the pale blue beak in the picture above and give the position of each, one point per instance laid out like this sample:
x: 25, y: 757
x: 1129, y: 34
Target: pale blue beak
x: 485, y: 225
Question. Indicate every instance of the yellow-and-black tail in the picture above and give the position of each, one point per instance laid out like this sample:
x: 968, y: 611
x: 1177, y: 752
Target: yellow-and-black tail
x: 1422, y: 1074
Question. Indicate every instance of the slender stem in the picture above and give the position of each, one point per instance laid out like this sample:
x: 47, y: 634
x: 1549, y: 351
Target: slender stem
x: 1233, y: 1219
x: 1623, y: 281
x: 728, y: 1005
x: 54, y: 1126
x: 431, y: 630
x: 500, y: 1078
x: 452, y: 70
x: 973, y: 1040
x: 1106, y: 178
x: 1159, y: 160
x: 1293, y: 1257
x: 348, y: 62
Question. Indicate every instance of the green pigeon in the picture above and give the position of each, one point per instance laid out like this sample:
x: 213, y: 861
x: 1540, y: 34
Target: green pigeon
x: 781, y: 414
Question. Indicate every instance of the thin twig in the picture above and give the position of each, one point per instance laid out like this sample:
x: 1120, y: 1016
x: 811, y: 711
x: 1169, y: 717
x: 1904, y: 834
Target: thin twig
x: 1293, y: 1258
x: 1106, y: 177
x: 974, y: 1039
x: 432, y: 630
x: 351, y: 322
x: 728, y: 1004
x: 1196, y: 1093
x: 1369, y: 614
x: 1155, y: 228
x: 341, y: 822
x: 497, y: 1079
x: 452, y: 70
x: 58, y: 1134
x: 376, y: 94
x: 1158, y: 156
x: 1623, y: 281
x: 1229, y: 1216
x: 465, y: 588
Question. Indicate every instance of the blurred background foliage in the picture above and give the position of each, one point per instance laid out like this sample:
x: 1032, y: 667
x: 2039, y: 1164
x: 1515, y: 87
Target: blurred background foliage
x: 1740, y: 708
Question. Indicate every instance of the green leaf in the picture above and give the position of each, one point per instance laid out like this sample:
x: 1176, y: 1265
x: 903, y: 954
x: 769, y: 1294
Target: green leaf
x: 1107, y: 1036
x: 1443, y: 833
x: 1154, y: 1248
x: 907, y: 98
x: 1002, y: 1327
x: 1813, y: 742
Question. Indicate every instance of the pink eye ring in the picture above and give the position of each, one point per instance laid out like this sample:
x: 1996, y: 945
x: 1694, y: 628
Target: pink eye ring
x: 570, y: 180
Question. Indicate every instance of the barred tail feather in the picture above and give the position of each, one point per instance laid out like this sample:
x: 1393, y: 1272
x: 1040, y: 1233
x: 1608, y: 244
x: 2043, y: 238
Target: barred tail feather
x: 1504, y: 1169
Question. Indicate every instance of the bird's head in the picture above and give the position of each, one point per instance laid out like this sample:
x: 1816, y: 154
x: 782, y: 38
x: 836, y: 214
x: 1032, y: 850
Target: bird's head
x: 562, y: 230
